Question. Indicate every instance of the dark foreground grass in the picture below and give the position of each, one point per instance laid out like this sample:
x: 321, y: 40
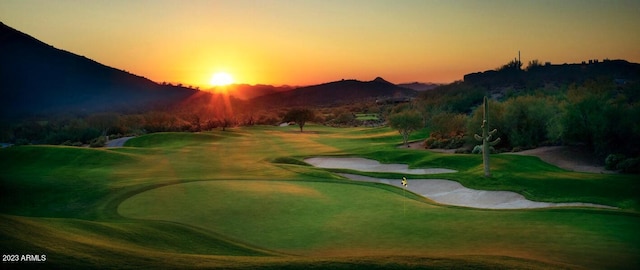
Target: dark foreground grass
x: 244, y: 199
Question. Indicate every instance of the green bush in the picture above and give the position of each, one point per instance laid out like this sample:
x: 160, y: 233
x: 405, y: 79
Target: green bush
x: 629, y: 165
x: 612, y: 161
x: 429, y: 143
x: 531, y: 120
x: 452, y: 140
x: 98, y: 142
x: 70, y: 143
x: 456, y: 142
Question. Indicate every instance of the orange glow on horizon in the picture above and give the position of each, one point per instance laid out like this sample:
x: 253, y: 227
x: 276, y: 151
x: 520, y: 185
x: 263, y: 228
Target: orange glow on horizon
x: 301, y: 43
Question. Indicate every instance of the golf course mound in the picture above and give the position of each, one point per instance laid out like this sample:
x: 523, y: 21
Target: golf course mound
x: 369, y: 165
x: 296, y: 217
x: 349, y: 220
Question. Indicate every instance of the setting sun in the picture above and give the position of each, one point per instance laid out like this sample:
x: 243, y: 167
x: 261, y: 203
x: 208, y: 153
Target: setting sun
x: 221, y: 79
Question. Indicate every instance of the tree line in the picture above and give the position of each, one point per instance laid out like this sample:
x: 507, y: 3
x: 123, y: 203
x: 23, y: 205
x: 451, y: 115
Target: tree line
x: 598, y: 114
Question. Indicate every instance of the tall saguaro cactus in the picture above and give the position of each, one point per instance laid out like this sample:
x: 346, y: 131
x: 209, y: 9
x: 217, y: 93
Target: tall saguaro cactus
x: 486, y: 138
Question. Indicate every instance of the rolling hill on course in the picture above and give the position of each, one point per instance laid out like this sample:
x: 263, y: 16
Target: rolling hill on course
x: 245, y: 199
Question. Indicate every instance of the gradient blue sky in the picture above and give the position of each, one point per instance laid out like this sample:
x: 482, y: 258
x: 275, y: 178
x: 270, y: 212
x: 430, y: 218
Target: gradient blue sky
x: 308, y: 42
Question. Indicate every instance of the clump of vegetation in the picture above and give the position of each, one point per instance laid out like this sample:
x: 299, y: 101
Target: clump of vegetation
x: 70, y: 143
x: 619, y: 162
x: 612, y: 161
x: 405, y: 122
x: 300, y: 116
x: 446, y: 141
x: 447, y: 130
x: 629, y: 165
x: 98, y: 142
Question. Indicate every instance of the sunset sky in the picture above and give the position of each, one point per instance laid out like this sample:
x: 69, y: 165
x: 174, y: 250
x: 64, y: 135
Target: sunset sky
x: 299, y: 42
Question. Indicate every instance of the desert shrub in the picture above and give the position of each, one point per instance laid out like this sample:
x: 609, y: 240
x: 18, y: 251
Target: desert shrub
x: 98, y: 142
x: 447, y: 124
x: 629, y: 165
x: 457, y: 97
x: 445, y: 141
x: 58, y: 138
x: 429, y: 142
x: 448, y: 130
x: 612, y: 161
x: 456, y: 141
x: 531, y: 120
x: 601, y: 117
x: 70, y: 143
x: 344, y: 118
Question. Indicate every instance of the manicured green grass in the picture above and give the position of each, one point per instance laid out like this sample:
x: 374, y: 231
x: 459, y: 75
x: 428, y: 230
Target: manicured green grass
x: 245, y: 199
x: 320, y: 219
x: 366, y: 116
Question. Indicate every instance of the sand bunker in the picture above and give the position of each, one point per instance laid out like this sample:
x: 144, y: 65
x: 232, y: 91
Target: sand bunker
x: 453, y: 193
x: 441, y: 191
x: 369, y: 165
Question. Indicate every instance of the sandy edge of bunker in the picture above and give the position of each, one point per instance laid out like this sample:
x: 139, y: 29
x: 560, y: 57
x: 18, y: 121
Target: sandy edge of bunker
x: 439, y: 190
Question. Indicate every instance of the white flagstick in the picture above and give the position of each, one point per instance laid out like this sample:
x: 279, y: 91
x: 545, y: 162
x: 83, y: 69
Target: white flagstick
x: 404, y: 202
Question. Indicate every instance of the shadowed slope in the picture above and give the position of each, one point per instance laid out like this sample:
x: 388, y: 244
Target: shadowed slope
x: 38, y: 78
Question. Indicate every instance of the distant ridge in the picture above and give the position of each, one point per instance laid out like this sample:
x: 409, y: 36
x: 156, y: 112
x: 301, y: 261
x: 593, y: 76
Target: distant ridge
x: 537, y: 76
x: 418, y: 86
x: 247, y: 91
x: 335, y: 93
x: 38, y: 79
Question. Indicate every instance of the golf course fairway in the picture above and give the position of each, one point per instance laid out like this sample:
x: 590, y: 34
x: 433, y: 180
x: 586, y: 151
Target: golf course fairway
x: 245, y: 199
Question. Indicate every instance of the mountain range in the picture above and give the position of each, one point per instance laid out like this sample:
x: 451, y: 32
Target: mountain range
x: 247, y: 91
x: 37, y: 79
x: 418, y: 86
x: 335, y: 93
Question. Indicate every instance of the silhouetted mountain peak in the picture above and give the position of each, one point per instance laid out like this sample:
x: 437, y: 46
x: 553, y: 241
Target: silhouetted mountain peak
x: 335, y: 93
x: 36, y: 78
x: 381, y: 80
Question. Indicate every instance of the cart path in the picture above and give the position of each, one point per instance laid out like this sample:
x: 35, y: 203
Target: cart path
x: 119, y: 142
